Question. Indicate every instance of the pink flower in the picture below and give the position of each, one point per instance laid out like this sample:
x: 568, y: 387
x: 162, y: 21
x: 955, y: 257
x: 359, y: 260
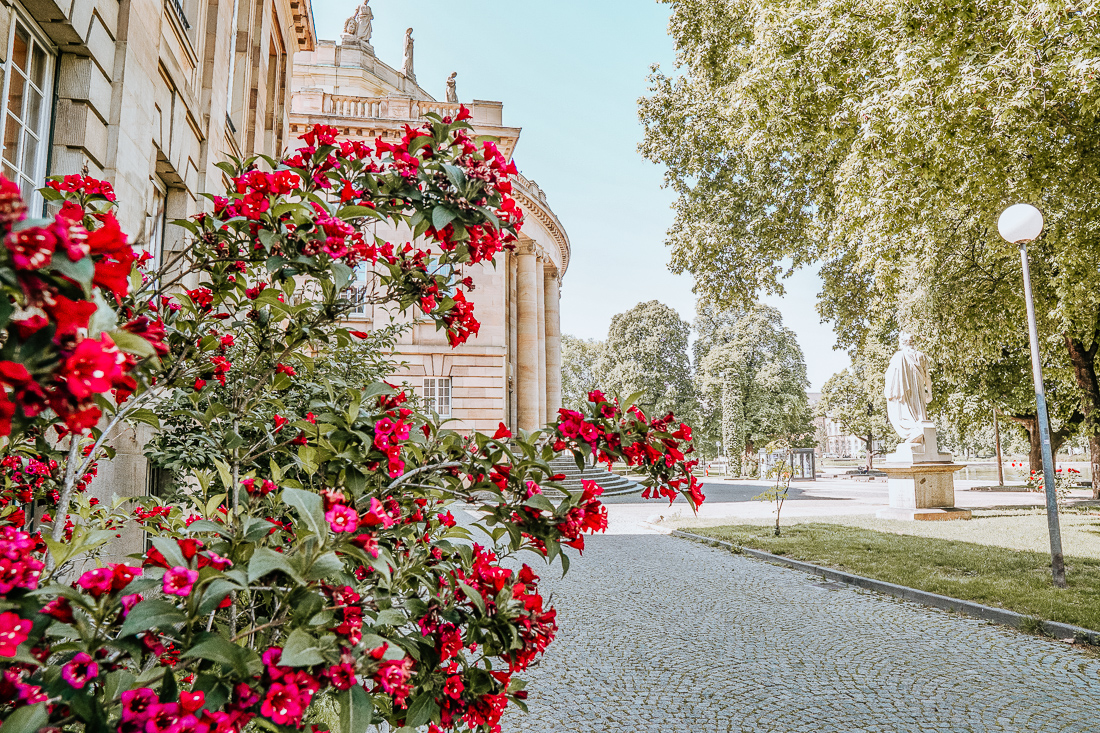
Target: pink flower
x: 97, y: 582
x: 377, y: 515
x: 281, y: 704
x: 179, y: 580
x: 342, y: 518
x: 13, y: 632
x: 383, y: 426
x: 393, y: 677
x: 79, y: 671
x: 136, y: 704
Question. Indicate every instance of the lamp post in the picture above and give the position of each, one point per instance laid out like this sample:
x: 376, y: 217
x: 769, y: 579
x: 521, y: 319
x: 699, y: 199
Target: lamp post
x: 1020, y: 224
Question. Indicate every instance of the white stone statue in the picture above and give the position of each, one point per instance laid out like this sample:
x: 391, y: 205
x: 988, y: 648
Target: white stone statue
x: 409, y: 54
x: 452, y: 87
x: 908, y: 391
x: 360, y: 23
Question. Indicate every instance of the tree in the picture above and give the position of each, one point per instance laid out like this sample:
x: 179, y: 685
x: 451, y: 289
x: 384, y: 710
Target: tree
x: 579, y: 369
x: 316, y: 566
x: 884, y: 139
x: 647, y: 352
x: 855, y: 401
x: 754, y: 375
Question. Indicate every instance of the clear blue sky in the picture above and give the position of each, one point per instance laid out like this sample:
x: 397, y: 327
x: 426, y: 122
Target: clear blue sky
x: 569, y: 72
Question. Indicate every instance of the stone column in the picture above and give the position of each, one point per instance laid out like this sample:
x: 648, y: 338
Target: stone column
x: 541, y: 311
x: 527, y: 338
x: 553, y: 344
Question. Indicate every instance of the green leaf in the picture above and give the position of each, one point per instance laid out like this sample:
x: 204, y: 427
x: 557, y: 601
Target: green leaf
x: 224, y: 474
x: 356, y: 710
x: 82, y: 271
x: 356, y: 212
x: 423, y: 710
x: 266, y: 561
x: 144, y: 415
x: 26, y: 719
x: 300, y: 650
x: 214, y: 594
x: 151, y: 614
x: 341, y: 274
x: 390, y: 617
x: 474, y: 596
x: 441, y: 217
x: 131, y: 343
x: 217, y: 648
x: 208, y: 525
x: 171, y: 551
x: 326, y: 566
x: 310, y: 508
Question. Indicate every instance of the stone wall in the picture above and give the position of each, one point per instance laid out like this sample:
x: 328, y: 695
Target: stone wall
x: 150, y: 94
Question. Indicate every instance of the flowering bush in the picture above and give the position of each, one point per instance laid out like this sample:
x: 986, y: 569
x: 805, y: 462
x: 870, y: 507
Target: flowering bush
x: 1064, y: 480
x: 313, y: 562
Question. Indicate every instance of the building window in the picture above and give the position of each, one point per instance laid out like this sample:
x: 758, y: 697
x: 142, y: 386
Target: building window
x: 28, y: 75
x: 156, y: 221
x: 437, y: 395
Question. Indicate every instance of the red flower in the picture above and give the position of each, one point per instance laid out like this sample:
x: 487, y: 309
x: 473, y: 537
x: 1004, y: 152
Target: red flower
x: 93, y: 368
x: 502, y: 432
x: 12, y: 208
x: 113, y: 257
x: 80, y: 671
x: 179, y: 581
x: 13, y: 632
x: 31, y: 249
x: 71, y: 316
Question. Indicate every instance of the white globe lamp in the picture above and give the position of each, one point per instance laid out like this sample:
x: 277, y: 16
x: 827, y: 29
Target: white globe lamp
x: 1020, y: 223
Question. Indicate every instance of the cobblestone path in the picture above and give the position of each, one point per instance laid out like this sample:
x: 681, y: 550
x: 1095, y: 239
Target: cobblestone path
x: 662, y: 634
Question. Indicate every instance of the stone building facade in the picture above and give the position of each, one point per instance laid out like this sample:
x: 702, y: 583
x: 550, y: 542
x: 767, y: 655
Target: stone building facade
x: 148, y: 94
x: 511, y: 372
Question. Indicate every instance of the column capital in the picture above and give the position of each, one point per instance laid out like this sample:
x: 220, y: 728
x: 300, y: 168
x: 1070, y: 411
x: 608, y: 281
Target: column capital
x: 526, y: 247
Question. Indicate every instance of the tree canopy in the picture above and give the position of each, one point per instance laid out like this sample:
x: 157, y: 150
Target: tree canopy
x: 752, y: 380
x: 882, y: 139
x: 579, y: 373
x: 647, y: 351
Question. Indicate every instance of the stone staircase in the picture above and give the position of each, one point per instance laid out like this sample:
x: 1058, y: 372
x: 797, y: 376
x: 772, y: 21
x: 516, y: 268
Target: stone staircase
x: 612, y: 483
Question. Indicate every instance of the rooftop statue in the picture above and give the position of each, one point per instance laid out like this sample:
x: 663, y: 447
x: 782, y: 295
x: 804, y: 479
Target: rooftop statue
x: 452, y: 87
x: 359, y: 24
x: 409, y: 54
x: 908, y: 390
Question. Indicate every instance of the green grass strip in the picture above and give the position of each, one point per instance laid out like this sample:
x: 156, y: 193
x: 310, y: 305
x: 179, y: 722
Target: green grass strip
x: 994, y: 576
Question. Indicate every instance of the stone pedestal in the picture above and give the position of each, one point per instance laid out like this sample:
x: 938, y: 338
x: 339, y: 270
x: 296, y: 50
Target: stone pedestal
x: 922, y: 482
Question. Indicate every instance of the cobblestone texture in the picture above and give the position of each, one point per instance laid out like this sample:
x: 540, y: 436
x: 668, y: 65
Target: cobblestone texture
x: 663, y: 634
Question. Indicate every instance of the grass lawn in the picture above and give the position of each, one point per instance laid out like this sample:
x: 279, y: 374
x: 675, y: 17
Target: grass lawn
x: 1017, y: 580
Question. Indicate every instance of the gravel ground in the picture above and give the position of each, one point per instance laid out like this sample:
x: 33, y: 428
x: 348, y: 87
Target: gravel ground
x: 662, y: 634
x: 1015, y: 529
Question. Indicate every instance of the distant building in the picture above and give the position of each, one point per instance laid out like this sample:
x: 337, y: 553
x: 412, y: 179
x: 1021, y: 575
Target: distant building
x: 833, y: 441
x: 511, y: 371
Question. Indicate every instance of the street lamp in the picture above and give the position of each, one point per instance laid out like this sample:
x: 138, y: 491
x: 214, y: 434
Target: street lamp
x: 1020, y: 224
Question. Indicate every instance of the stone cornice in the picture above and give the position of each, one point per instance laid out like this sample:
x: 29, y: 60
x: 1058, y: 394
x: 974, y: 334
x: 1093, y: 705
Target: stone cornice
x: 533, y: 202
x: 302, y: 12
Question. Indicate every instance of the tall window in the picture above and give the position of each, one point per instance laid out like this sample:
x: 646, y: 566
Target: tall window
x: 28, y: 75
x: 155, y: 221
x: 437, y: 395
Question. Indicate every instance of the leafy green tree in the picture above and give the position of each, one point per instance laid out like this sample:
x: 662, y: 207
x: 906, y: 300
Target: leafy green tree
x: 853, y: 397
x: 883, y: 139
x: 579, y: 375
x: 647, y: 351
x: 755, y: 377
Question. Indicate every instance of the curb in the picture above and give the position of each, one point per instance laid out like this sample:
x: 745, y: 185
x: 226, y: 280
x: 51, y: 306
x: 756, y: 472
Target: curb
x: 946, y: 603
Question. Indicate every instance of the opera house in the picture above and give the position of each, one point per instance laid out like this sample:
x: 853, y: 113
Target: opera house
x: 511, y: 371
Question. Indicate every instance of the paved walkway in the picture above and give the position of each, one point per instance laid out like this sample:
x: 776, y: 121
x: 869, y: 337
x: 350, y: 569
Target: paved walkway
x: 662, y: 634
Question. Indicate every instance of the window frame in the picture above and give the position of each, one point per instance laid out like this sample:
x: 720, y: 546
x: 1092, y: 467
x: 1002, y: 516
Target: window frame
x: 17, y: 18
x: 438, y: 390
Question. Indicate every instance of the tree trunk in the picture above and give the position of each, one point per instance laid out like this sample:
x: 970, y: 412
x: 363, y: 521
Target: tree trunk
x: 1030, y: 423
x: 1084, y: 368
x: 870, y: 452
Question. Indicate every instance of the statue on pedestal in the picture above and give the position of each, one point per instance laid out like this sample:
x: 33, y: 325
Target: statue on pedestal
x: 908, y: 391
x: 409, y: 54
x: 358, y: 26
x: 452, y: 87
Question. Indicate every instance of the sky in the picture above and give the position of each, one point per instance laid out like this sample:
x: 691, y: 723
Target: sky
x: 569, y: 73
